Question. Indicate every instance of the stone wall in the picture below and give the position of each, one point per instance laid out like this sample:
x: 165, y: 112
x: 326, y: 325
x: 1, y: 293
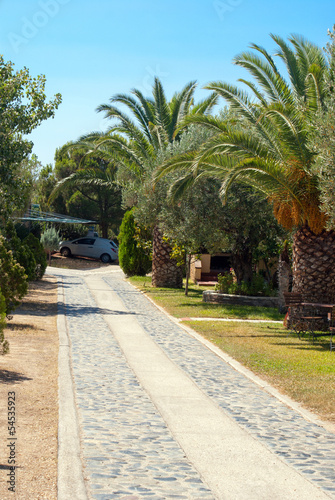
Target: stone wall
x: 243, y: 300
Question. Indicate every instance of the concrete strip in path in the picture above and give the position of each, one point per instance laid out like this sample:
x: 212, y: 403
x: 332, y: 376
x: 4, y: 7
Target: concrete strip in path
x: 232, y: 463
x: 71, y: 484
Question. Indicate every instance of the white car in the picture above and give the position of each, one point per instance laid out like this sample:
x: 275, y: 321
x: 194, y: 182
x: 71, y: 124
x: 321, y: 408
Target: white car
x: 90, y: 246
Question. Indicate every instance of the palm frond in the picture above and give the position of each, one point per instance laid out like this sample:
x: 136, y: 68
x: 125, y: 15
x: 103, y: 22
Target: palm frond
x: 255, y: 91
x: 176, y: 163
x: 241, y: 104
x: 307, y: 54
x: 237, y: 99
x: 315, y: 88
x: 211, y: 122
x: 180, y: 107
x: 147, y: 104
x: 289, y: 57
x: 162, y: 112
x: 138, y: 111
x: 178, y: 188
x: 205, y: 106
x: 268, y: 176
x: 291, y: 133
x: 274, y: 86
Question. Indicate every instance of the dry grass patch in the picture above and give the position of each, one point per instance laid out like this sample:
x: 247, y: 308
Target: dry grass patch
x: 302, y: 370
x: 31, y: 371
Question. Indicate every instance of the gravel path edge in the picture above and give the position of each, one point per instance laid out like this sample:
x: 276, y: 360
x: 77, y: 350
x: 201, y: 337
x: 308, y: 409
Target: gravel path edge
x: 70, y: 484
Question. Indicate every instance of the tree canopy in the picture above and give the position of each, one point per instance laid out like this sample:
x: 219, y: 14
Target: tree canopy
x: 23, y: 106
x: 323, y: 140
x: 87, y: 176
x: 268, y: 146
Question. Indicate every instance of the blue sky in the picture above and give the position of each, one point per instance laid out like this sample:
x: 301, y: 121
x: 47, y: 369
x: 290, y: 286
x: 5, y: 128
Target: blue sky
x: 90, y: 51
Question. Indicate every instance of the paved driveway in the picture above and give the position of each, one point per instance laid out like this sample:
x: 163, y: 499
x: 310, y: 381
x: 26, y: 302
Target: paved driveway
x: 148, y: 411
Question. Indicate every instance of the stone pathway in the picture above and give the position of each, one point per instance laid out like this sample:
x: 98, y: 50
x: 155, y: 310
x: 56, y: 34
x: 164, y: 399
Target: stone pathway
x: 129, y: 451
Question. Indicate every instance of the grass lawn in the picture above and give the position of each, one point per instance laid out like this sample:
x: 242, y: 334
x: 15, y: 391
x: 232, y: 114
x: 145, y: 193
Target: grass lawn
x: 180, y: 306
x: 302, y: 370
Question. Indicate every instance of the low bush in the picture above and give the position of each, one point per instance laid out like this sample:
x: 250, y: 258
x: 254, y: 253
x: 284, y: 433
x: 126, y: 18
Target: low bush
x: 13, y: 279
x: 36, y: 247
x: 4, y: 346
x: 258, y: 286
x: 21, y: 252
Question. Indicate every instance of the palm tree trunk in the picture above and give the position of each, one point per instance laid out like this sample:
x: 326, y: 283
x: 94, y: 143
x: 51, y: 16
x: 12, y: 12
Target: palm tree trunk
x: 284, y: 276
x: 314, y: 265
x: 165, y: 272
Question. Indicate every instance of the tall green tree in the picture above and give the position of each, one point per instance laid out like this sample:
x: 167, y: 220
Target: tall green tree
x: 90, y: 182
x: 244, y: 227
x: 152, y: 124
x: 23, y: 106
x: 269, y: 149
x: 323, y: 140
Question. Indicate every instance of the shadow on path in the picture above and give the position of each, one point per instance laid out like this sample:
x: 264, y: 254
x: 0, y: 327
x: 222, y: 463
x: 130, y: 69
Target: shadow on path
x: 73, y: 310
x: 8, y: 377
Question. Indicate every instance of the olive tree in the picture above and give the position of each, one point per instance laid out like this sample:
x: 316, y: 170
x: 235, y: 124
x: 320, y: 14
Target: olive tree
x: 23, y: 106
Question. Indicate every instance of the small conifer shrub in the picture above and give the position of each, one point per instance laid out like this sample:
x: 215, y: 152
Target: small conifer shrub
x: 132, y: 257
x: 50, y: 241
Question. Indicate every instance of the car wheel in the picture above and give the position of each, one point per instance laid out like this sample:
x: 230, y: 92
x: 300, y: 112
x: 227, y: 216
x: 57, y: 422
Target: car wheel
x: 66, y: 252
x: 105, y: 258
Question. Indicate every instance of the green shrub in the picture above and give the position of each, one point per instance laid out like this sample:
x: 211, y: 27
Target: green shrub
x: 227, y: 283
x: 13, y: 279
x: 4, y: 346
x: 132, y: 258
x: 21, y: 252
x: 39, y: 253
x: 22, y: 230
x: 50, y: 240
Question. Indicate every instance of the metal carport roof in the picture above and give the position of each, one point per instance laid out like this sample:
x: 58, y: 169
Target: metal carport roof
x: 34, y: 214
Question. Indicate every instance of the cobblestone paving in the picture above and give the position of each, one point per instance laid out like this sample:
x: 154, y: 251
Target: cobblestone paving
x: 305, y: 446
x: 128, y: 450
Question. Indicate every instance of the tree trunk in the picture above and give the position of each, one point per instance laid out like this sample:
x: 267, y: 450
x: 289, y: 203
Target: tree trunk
x: 165, y: 272
x: 104, y: 229
x: 284, y: 277
x: 314, y: 265
x: 188, y: 271
x: 242, y: 265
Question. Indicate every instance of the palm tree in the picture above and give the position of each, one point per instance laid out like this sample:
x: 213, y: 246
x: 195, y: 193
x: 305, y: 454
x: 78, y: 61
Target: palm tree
x: 155, y: 126
x: 268, y: 148
x: 95, y: 178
